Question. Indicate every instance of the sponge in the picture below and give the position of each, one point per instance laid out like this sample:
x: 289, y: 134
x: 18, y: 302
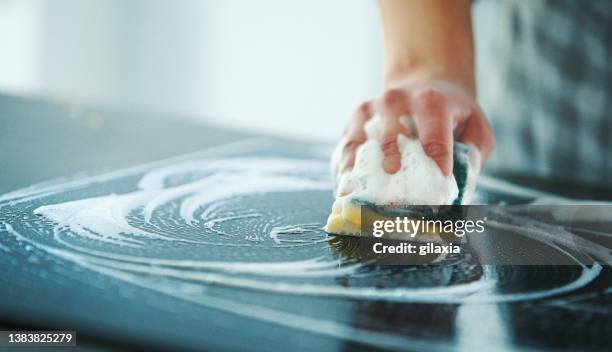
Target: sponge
x: 419, y: 181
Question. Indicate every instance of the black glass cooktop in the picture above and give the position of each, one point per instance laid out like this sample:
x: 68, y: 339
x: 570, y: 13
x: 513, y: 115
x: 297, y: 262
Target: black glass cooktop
x: 223, y: 249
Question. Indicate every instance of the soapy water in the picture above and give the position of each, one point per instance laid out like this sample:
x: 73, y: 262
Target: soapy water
x: 253, y: 223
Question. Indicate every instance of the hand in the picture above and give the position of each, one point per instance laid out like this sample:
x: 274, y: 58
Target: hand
x: 441, y: 112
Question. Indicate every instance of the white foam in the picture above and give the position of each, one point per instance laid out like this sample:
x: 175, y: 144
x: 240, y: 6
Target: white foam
x: 101, y: 218
x: 105, y: 218
x: 419, y: 181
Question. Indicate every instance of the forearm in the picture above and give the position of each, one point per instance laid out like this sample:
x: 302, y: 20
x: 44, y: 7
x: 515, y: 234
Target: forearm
x: 428, y: 40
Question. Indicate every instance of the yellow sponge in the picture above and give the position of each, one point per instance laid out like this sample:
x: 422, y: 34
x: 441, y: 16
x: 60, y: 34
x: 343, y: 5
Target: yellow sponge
x: 345, y: 218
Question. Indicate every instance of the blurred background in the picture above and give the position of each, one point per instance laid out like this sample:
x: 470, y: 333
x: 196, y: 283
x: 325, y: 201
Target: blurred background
x: 297, y: 71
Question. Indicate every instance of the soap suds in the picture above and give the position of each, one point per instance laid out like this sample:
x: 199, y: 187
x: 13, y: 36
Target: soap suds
x: 419, y: 181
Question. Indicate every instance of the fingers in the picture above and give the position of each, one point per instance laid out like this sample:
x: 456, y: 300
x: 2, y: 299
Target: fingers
x: 435, y: 128
x: 433, y: 115
x: 394, y: 105
x: 388, y: 144
x: 355, y: 135
x: 478, y: 132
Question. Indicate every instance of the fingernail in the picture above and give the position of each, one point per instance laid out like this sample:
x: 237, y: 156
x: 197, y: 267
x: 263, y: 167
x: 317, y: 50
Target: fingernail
x: 390, y: 165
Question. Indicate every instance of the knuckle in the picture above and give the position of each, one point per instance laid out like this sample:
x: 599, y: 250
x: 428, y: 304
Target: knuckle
x: 389, y: 145
x: 430, y: 95
x: 364, y: 108
x: 430, y: 99
x: 352, y: 145
x: 436, y: 150
x: 392, y: 96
